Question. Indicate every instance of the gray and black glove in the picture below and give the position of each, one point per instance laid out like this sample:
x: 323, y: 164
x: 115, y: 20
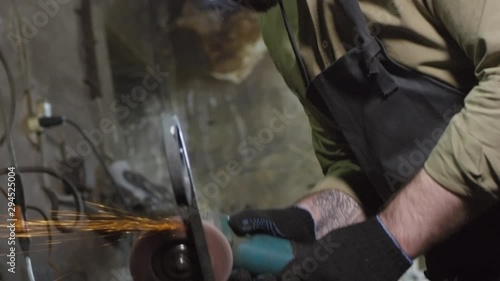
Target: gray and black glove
x: 292, y: 223
x: 361, y: 252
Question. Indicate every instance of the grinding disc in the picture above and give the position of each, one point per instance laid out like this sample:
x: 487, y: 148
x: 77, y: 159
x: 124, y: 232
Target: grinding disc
x: 152, y: 244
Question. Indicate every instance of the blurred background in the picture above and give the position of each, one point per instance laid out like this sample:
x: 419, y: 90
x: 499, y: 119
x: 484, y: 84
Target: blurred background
x: 113, y: 67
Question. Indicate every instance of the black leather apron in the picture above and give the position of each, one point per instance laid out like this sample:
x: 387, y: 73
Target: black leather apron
x: 391, y: 116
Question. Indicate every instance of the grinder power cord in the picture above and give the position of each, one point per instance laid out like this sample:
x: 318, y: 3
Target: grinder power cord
x: 50, y: 122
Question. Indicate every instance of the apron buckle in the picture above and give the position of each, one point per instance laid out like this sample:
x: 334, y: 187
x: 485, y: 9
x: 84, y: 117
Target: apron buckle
x: 375, y: 70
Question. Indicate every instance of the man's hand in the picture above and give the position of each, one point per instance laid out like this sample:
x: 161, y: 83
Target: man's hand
x: 421, y: 215
x: 364, y: 251
x: 310, y: 219
x: 332, y: 209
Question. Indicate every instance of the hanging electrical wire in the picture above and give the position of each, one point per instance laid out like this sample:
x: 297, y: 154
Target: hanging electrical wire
x: 49, y: 122
x: 101, y: 161
x: 10, y: 81
x: 6, y: 137
x: 23, y: 59
x: 4, y: 193
x: 79, y: 204
x: 24, y: 242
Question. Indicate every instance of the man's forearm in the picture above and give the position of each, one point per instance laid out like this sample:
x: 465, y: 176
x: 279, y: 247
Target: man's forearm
x: 332, y: 209
x: 425, y: 213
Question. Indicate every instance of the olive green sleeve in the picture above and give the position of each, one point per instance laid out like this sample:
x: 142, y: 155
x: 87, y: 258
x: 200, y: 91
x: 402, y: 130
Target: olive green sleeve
x: 331, y: 150
x: 337, y: 162
x: 466, y: 159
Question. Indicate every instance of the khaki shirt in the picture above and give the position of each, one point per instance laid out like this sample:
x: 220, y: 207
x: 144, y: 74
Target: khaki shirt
x: 455, y: 41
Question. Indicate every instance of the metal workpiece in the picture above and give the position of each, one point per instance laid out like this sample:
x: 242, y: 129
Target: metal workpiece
x: 181, y: 254
x: 185, y: 194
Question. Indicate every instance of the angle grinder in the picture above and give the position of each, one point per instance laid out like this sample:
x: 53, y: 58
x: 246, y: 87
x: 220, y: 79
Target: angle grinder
x: 200, y: 249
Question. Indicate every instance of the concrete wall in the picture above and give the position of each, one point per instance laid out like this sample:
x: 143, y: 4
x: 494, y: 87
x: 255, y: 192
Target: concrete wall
x: 238, y: 125
x: 228, y: 126
x: 55, y: 71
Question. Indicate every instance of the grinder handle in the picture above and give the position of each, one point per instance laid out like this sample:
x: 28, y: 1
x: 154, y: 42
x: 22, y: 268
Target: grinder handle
x: 258, y: 254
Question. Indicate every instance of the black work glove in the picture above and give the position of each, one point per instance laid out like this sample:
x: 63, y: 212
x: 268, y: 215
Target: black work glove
x: 292, y: 223
x: 361, y: 252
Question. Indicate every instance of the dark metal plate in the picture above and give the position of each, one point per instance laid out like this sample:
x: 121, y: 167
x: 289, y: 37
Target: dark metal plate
x: 182, y: 182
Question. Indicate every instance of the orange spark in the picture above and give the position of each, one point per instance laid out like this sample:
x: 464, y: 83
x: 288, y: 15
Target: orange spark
x: 105, y: 220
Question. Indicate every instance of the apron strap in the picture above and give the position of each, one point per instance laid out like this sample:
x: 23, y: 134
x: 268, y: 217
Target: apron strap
x: 371, y: 48
x: 300, y: 62
x: 354, y: 13
x: 375, y: 70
